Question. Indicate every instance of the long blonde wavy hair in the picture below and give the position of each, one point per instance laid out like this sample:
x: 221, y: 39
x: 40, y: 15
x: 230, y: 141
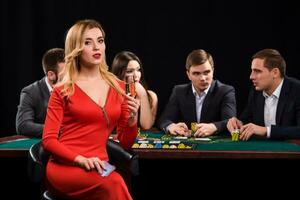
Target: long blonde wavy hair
x: 74, y: 45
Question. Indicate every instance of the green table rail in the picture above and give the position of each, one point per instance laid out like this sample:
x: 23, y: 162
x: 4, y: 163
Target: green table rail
x: 217, y: 148
x: 16, y: 145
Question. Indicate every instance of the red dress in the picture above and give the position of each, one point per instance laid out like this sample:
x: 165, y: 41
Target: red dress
x: 84, y: 129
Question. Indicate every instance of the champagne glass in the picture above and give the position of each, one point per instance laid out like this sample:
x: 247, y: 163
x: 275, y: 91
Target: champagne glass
x: 130, y: 85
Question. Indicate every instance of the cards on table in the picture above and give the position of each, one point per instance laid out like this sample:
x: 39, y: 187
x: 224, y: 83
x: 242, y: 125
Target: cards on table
x: 203, y: 139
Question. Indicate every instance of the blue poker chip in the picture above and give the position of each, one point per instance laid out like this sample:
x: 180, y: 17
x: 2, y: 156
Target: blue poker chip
x: 158, y: 146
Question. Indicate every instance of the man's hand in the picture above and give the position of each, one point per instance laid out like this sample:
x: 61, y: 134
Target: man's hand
x: 179, y: 129
x: 233, y: 124
x: 204, y: 129
x: 250, y: 129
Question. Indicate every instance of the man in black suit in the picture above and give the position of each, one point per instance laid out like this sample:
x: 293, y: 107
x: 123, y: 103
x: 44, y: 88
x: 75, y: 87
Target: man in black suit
x: 34, y: 97
x: 208, y: 102
x: 273, y: 108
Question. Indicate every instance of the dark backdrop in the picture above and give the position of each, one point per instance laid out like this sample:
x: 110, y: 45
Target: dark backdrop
x: 161, y: 35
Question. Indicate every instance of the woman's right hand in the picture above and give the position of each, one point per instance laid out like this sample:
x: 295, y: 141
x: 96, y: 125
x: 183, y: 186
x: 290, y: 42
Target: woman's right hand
x: 90, y: 163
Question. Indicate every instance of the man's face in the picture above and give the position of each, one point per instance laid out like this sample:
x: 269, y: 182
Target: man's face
x: 201, y: 76
x: 262, y: 77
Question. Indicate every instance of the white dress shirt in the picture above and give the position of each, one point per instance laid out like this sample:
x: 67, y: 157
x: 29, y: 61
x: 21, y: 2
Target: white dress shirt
x: 199, y: 102
x: 199, y: 99
x: 270, y: 108
x: 48, y: 85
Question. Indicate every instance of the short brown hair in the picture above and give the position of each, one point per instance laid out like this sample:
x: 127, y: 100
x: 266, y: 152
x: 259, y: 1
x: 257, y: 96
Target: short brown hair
x: 198, y: 57
x: 51, y: 59
x: 272, y: 59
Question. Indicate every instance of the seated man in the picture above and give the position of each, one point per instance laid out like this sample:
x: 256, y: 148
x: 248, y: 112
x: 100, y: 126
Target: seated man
x: 208, y: 102
x: 273, y: 108
x: 34, y: 97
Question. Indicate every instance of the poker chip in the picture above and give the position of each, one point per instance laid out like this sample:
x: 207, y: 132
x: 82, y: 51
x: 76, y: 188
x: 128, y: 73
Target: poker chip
x: 235, y: 135
x: 143, y: 145
x: 160, y: 144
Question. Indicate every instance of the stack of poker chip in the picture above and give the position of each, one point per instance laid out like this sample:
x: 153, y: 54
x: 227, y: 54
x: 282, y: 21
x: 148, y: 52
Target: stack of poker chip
x: 235, y: 135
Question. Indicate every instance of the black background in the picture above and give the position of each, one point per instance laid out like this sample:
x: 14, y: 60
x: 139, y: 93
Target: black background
x: 161, y: 34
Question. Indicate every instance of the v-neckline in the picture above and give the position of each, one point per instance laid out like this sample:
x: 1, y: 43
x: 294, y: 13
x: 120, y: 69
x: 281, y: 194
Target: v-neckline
x: 107, y: 95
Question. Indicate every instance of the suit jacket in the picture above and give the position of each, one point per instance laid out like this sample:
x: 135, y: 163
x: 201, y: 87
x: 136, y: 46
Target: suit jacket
x: 32, y: 109
x: 218, y: 106
x: 287, y: 113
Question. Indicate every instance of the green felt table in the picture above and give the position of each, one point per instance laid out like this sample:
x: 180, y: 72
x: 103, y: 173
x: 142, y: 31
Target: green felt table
x: 222, y: 147
x: 218, y: 147
x: 16, y: 145
x: 20, y: 144
x: 220, y: 143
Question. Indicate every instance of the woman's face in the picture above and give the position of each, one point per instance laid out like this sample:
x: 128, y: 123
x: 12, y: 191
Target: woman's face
x: 93, y: 48
x: 134, y: 68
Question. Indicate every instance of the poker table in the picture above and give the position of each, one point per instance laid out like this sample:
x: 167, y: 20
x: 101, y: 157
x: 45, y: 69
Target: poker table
x: 219, y: 166
x: 16, y: 145
x: 159, y: 165
x: 218, y: 147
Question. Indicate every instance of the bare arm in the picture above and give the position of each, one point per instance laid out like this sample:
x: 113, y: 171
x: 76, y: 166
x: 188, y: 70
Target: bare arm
x: 147, y: 111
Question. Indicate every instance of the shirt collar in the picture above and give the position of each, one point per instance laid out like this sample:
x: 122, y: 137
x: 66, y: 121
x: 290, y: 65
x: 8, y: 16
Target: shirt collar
x: 202, y: 93
x: 48, y: 84
x: 276, y: 93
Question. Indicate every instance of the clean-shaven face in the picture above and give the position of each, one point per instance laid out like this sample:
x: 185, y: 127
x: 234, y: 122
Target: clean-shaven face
x: 201, y: 76
x: 134, y: 68
x: 94, y: 47
x: 261, y: 77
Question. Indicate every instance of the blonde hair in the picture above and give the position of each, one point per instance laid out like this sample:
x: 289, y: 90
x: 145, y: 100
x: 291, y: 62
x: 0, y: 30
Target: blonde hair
x: 73, y: 48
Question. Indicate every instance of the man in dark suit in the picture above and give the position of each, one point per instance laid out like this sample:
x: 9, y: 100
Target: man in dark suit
x: 205, y: 101
x: 273, y: 108
x: 34, y: 97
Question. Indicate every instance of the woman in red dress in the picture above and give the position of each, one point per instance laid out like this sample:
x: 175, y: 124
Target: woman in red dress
x: 82, y: 112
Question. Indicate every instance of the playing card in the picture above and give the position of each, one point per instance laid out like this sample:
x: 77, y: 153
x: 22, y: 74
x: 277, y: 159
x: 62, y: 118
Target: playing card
x: 107, y: 169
